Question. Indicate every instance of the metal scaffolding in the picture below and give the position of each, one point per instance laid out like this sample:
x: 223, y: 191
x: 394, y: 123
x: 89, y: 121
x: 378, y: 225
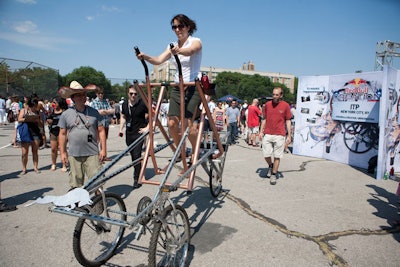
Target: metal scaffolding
x: 385, y: 52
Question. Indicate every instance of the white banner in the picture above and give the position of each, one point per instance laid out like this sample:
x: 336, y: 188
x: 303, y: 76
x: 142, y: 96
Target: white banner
x: 333, y: 117
x: 389, y: 158
x: 311, y: 109
x: 334, y: 114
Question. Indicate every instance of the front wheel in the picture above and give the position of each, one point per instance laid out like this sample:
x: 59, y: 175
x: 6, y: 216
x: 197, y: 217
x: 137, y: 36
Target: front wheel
x: 215, y: 183
x: 170, y: 240
x: 94, y: 242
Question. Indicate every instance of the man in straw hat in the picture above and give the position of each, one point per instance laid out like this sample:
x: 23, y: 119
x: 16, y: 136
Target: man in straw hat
x: 84, y: 126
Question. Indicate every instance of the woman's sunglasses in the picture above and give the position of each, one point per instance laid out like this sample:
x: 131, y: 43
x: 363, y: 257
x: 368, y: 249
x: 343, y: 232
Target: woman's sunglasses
x: 180, y: 27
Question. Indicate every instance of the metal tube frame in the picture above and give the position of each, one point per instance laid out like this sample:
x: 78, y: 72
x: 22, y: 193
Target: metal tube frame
x: 214, y: 154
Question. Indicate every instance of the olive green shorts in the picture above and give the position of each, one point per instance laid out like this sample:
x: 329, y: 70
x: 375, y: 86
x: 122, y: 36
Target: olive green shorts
x: 192, y: 102
x: 81, y: 166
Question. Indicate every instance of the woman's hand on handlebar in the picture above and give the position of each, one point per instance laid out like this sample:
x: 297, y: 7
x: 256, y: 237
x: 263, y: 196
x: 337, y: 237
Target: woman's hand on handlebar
x: 175, y: 50
x: 140, y: 56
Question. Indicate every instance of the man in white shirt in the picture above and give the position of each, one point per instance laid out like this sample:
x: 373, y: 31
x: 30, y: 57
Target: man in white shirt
x: 3, y: 119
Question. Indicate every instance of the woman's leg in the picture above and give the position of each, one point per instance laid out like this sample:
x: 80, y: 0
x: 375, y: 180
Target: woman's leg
x: 173, y: 126
x: 64, y: 166
x: 54, y: 152
x: 193, y: 131
x: 35, y: 156
x: 137, y: 153
x: 24, y: 157
x: 14, y: 140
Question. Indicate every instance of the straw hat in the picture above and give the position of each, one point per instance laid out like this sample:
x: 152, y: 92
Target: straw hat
x: 75, y: 88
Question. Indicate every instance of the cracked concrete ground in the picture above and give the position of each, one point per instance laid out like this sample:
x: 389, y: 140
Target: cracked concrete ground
x: 322, y: 213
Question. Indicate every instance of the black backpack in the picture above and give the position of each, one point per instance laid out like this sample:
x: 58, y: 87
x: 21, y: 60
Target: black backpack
x: 243, y: 113
x: 10, y: 116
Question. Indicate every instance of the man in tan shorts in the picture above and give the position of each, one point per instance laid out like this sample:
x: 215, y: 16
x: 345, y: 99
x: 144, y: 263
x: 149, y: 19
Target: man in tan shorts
x: 275, y: 126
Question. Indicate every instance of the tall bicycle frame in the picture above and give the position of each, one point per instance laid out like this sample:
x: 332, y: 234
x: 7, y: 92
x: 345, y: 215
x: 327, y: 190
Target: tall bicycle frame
x: 101, y: 224
x: 153, y: 114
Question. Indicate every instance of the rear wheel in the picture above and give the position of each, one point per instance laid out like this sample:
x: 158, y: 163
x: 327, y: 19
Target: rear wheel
x: 94, y: 242
x: 170, y: 240
x: 144, y: 203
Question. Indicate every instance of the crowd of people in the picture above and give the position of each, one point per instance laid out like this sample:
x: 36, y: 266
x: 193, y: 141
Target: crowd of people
x: 240, y: 119
x: 82, y: 125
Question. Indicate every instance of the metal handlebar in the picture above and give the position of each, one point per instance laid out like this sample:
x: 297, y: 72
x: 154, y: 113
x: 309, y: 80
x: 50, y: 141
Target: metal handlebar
x: 178, y: 62
x: 146, y: 70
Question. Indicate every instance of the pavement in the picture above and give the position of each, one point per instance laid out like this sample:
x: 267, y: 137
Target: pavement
x: 321, y: 213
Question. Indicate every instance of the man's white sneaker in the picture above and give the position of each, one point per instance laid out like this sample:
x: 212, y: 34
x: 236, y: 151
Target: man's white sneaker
x: 273, y: 179
x: 269, y: 170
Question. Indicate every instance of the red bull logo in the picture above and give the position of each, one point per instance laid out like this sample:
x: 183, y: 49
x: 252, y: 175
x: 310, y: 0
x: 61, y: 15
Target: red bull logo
x: 357, y: 86
x: 357, y: 89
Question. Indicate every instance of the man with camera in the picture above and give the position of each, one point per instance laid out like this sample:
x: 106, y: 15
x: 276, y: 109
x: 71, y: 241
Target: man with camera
x: 82, y: 125
x: 134, y: 114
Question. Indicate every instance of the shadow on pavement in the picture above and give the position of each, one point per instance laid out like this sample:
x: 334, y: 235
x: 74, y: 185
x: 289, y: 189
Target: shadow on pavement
x: 27, y: 196
x: 387, y: 207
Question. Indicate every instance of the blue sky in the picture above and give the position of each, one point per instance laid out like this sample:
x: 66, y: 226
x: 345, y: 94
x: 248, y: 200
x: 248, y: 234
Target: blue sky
x: 300, y: 37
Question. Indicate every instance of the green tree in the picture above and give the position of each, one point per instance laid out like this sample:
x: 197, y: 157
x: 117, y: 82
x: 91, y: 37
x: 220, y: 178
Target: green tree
x: 87, y: 75
x: 248, y: 87
x: 119, y: 90
x: 227, y: 83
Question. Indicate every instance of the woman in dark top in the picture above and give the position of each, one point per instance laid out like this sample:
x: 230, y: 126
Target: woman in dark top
x: 30, y: 115
x: 134, y: 115
x: 59, y: 106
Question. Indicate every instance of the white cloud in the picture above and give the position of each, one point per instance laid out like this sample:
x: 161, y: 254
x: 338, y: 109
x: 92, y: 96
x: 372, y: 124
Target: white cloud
x: 26, y: 33
x: 25, y: 27
x: 110, y: 9
x: 38, y: 41
x: 31, y: 2
x: 104, y: 9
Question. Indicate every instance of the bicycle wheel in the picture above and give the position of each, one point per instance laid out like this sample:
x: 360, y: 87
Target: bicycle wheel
x: 215, y: 183
x: 359, y: 137
x: 144, y: 203
x: 170, y: 240
x: 94, y: 242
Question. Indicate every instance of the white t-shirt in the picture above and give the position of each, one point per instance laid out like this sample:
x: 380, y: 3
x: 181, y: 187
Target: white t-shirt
x: 211, y: 107
x: 190, y: 65
x: 8, y: 103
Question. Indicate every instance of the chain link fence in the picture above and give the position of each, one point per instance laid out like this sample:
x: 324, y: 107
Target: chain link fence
x: 23, y: 78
